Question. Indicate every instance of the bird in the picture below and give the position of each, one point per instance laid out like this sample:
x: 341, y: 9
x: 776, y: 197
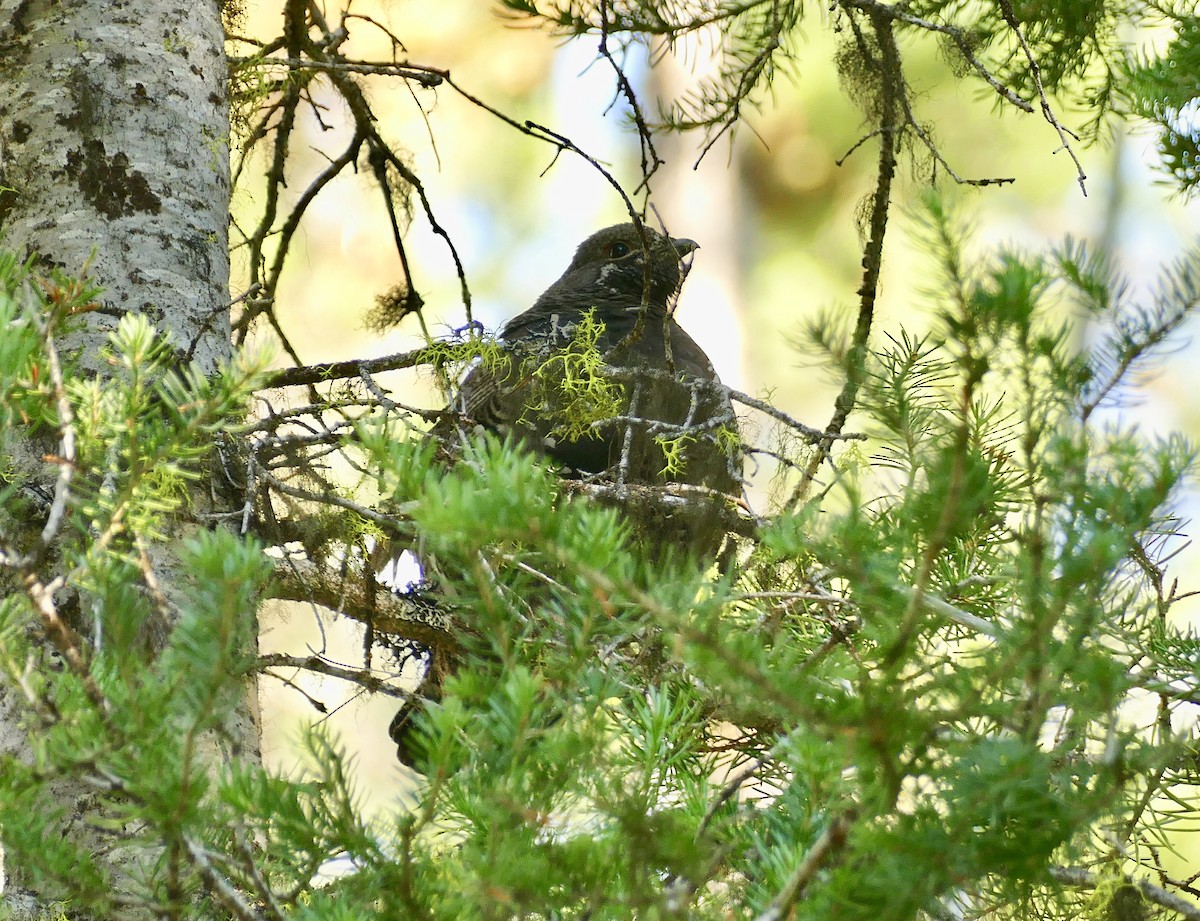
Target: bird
x: 654, y: 413
x: 598, y: 377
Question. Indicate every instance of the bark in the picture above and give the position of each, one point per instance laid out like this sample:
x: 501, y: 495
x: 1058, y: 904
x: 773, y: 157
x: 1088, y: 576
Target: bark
x: 114, y: 158
x: 114, y: 154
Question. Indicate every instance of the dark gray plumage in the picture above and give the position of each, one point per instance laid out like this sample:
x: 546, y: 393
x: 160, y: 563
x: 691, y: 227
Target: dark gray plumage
x: 670, y: 390
x: 670, y: 386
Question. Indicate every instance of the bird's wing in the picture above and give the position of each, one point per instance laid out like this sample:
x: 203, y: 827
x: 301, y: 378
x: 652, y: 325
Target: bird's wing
x: 689, y: 358
x: 481, y: 395
x: 491, y: 394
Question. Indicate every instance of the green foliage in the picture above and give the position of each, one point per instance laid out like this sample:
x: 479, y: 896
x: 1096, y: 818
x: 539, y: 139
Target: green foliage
x: 400, y: 457
x: 1029, y: 50
x: 136, y: 732
x: 915, y: 691
x: 930, y: 674
x: 916, y: 695
x: 1163, y: 90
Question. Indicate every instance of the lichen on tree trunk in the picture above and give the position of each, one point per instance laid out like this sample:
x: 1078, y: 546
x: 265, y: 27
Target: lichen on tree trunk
x: 114, y: 154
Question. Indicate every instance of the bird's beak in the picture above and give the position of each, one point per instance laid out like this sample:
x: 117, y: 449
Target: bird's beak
x: 684, y: 246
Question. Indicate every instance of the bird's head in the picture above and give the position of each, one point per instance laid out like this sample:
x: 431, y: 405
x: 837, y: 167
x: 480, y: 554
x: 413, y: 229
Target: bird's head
x: 609, y: 266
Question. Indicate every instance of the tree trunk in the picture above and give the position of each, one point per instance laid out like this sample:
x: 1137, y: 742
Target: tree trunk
x: 114, y: 137
x: 114, y: 161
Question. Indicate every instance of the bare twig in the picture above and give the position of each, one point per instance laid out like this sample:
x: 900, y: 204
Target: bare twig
x: 220, y: 886
x: 732, y: 785
x: 829, y: 842
x: 899, y: 13
x: 66, y: 434
x: 872, y: 261
x: 363, y: 677
x: 404, y: 616
x: 1065, y: 136
x: 334, y: 370
x: 1082, y: 879
x: 650, y: 158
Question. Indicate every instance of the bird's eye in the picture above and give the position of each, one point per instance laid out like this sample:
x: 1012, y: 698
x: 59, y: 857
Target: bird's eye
x: 618, y: 249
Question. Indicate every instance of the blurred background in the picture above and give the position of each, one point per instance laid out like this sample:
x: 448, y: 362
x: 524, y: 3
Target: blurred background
x: 774, y: 213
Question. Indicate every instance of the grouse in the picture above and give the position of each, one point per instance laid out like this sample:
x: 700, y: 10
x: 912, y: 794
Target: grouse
x: 653, y: 411
x: 601, y: 343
